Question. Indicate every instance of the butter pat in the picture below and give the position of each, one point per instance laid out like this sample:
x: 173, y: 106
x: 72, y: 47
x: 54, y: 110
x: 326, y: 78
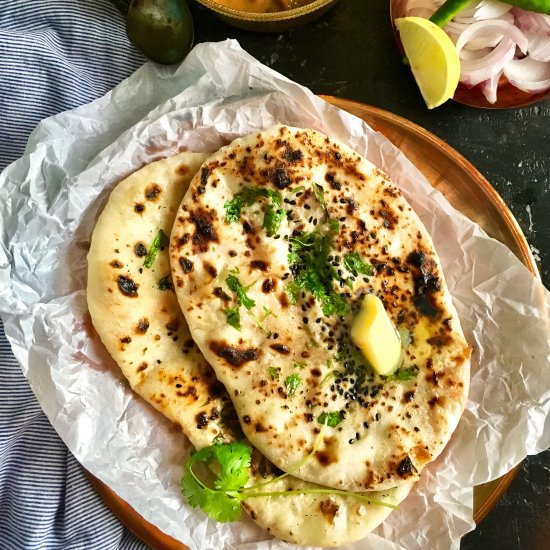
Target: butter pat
x: 375, y: 335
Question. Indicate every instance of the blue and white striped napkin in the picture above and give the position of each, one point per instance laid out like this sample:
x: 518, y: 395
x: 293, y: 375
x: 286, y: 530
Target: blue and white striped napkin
x: 54, y: 55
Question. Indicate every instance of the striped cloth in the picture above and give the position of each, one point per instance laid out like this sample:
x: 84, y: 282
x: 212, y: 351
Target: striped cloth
x: 54, y: 55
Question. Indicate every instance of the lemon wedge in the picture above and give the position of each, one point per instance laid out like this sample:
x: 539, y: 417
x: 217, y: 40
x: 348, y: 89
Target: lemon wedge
x: 374, y: 334
x: 433, y: 58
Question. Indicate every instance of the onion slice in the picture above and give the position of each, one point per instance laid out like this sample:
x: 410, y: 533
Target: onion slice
x: 528, y: 75
x: 489, y: 88
x: 539, y: 47
x: 530, y: 21
x: 490, y: 9
x: 497, y: 26
x: 474, y: 71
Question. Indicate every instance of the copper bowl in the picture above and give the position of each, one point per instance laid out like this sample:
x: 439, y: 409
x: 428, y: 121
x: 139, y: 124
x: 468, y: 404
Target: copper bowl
x: 273, y: 21
x: 508, y: 96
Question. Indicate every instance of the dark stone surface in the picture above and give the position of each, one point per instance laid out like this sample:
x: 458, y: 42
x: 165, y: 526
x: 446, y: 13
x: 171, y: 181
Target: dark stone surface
x: 351, y: 53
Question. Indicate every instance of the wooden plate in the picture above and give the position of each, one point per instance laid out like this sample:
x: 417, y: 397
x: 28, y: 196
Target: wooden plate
x: 508, y: 96
x: 468, y: 191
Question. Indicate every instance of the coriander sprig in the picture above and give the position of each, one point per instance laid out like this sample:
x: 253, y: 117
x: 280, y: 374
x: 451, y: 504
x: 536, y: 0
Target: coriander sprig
x: 232, y: 462
x: 308, y: 259
x: 159, y: 243
x: 273, y: 214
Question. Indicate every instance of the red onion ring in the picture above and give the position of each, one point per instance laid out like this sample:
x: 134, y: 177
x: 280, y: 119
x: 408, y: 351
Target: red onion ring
x: 473, y: 72
x: 498, y: 26
x: 528, y: 75
x: 530, y: 21
x: 489, y: 88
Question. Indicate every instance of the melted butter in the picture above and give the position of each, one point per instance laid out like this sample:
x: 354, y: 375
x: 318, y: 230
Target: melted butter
x: 375, y: 335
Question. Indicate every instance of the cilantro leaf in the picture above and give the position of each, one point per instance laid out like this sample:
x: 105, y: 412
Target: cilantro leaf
x: 234, y: 208
x: 292, y: 291
x: 220, y: 506
x: 292, y: 383
x: 319, y: 195
x: 273, y: 372
x: 334, y: 304
x: 334, y: 225
x: 355, y: 265
x: 331, y: 419
x: 309, y: 263
x: 223, y: 507
x: 299, y: 365
x: 234, y: 460
x: 273, y: 215
x: 233, y: 317
x: 402, y: 374
x: 235, y: 285
x: 159, y: 243
x: 233, y: 463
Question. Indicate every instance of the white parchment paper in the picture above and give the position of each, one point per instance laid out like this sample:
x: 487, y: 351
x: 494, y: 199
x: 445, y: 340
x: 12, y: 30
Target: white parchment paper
x: 50, y: 199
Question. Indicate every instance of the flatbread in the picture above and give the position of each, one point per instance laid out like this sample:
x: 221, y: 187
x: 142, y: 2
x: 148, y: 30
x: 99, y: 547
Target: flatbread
x: 288, y: 367
x: 144, y: 330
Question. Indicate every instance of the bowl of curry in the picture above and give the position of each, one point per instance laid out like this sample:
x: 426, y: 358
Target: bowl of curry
x: 268, y: 15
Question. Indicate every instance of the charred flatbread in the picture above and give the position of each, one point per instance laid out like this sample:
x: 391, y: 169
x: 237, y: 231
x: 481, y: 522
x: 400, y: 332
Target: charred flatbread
x: 136, y: 313
x: 278, y: 239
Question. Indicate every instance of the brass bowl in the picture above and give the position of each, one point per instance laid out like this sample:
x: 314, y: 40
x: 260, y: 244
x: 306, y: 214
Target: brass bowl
x: 270, y: 22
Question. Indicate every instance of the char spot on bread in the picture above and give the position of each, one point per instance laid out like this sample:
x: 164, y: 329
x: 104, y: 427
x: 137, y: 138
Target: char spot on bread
x: 152, y: 192
x: 127, y: 286
x: 204, y: 229
x: 142, y: 326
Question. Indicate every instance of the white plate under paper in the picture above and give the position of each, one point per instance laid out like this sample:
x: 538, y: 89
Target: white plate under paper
x: 49, y: 201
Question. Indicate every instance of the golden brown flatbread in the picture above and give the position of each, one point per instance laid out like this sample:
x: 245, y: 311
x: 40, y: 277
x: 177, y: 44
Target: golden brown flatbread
x: 136, y: 314
x: 278, y: 238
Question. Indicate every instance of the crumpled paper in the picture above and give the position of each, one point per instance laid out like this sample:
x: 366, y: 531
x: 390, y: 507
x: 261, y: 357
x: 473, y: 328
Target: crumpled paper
x: 50, y: 199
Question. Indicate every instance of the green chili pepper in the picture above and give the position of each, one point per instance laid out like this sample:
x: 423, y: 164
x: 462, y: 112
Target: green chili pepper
x: 539, y: 6
x: 448, y: 10
x: 452, y: 8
